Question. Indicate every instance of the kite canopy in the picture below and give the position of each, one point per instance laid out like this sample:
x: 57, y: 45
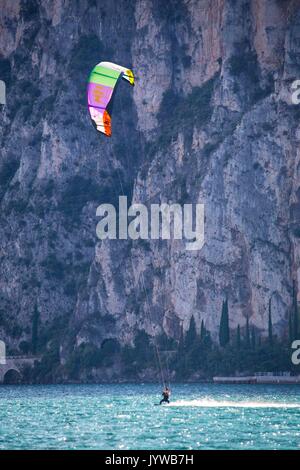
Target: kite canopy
x: 101, y: 88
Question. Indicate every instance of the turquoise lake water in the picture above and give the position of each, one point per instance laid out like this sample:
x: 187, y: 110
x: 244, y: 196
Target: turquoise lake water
x: 200, y: 416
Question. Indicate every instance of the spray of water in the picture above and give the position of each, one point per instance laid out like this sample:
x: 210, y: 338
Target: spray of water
x: 209, y: 403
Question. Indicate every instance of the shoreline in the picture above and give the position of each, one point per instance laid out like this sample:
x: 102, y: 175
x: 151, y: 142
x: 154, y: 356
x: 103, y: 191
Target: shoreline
x: 214, y: 381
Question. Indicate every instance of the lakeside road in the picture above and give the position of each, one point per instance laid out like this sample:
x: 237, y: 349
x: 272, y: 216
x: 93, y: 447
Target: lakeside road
x: 259, y: 379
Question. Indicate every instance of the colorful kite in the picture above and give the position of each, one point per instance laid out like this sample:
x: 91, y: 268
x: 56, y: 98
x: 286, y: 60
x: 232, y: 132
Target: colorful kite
x: 102, y: 84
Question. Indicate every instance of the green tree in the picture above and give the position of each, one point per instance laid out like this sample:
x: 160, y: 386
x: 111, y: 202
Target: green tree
x: 238, y: 337
x: 181, y: 355
x: 270, y: 325
x: 291, y: 329
x: 248, y: 341
x: 191, y: 335
x: 24, y: 347
x: 259, y: 341
x: 253, y: 339
x: 224, y: 334
x: 205, y: 338
x: 143, y: 349
x: 295, y: 312
x: 181, y: 341
x: 35, y: 330
x: 202, y: 331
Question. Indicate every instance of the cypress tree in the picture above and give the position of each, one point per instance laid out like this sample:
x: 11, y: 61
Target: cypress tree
x: 207, y: 339
x: 253, y: 338
x: 238, y: 337
x: 224, y: 334
x: 291, y: 330
x: 202, y: 331
x: 191, y: 335
x: 181, y: 356
x: 34, y: 332
x: 295, y: 312
x: 181, y: 341
x: 270, y: 325
x: 248, y: 342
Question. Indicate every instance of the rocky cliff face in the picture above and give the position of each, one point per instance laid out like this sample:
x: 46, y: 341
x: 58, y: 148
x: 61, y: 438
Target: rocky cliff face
x: 210, y: 120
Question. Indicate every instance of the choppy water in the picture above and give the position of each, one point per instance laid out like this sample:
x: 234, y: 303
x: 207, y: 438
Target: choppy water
x: 201, y: 416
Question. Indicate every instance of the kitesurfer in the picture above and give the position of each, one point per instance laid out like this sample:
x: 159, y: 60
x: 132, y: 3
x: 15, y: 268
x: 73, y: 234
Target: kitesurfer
x: 166, y: 395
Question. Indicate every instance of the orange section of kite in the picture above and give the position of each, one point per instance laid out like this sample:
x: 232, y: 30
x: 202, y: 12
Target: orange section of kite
x: 107, y: 123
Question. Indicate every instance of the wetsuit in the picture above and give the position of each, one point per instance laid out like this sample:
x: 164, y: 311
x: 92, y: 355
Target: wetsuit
x: 165, y: 399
